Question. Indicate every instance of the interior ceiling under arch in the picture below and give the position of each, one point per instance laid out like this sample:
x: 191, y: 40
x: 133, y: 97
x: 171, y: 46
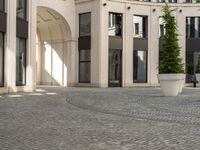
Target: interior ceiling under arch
x: 51, y: 25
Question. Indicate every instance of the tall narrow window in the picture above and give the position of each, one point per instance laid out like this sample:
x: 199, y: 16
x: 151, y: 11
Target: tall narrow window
x: 192, y: 27
x: 140, y: 66
x: 140, y: 26
x: 85, y: 24
x: 115, y: 24
x: 20, y: 61
x: 1, y: 59
x: 21, y: 9
x: 84, y: 64
x: 84, y: 47
x: 2, y: 5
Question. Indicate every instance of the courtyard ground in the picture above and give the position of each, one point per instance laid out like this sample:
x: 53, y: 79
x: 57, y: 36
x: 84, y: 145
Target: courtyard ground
x: 55, y: 118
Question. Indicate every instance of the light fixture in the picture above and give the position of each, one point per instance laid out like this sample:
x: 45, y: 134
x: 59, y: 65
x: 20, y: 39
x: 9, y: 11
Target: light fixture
x: 180, y: 10
x: 154, y: 10
x: 129, y: 7
x: 104, y: 4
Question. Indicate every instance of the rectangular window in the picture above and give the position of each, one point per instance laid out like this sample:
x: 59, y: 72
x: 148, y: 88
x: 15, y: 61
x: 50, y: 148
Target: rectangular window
x: 20, y: 61
x: 140, y: 26
x: 192, y: 27
x: 85, y: 24
x: 140, y: 66
x: 160, y: 1
x: 172, y: 1
x: 21, y: 9
x: 115, y: 68
x: 136, y: 29
x: 2, y: 5
x: 115, y: 24
x: 188, y: 1
x: 84, y: 66
x: 1, y: 59
x: 162, y: 27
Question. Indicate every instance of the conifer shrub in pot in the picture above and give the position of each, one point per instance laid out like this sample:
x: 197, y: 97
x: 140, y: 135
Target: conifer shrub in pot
x: 171, y: 71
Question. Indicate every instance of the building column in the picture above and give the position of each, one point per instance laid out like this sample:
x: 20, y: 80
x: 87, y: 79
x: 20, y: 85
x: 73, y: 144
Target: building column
x: 153, y: 51
x: 128, y: 47
x: 103, y: 46
x: 31, y: 47
x: 95, y: 44
x: 181, y: 22
x: 71, y: 60
x: 10, y: 50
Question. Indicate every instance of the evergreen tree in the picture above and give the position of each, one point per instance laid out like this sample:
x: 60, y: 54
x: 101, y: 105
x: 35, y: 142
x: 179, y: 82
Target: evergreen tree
x: 170, y: 60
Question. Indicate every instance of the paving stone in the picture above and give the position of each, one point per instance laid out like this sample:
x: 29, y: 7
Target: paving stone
x: 55, y: 118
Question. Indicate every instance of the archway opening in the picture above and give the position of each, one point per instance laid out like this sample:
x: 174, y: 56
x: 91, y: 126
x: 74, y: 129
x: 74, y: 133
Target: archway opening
x: 52, y: 57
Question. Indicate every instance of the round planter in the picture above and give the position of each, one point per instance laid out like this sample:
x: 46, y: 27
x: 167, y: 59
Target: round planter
x: 182, y: 84
x: 171, y: 83
x: 198, y: 79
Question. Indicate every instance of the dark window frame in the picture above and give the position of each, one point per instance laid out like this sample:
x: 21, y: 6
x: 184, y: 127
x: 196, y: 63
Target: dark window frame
x: 24, y: 61
x: 134, y: 81
x: 111, y: 12
x: 25, y: 11
x: 90, y: 23
x: 84, y: 61
x: 3, y: 71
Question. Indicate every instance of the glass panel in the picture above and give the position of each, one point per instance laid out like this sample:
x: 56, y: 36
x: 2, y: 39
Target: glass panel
x: 1, y: 5
x: 140, y: 26
x: 84, y: 72
x: 193, y: 27
x: 115, y: 24
x: 21, y: 61
x: 197, y: 62
x: 85, y: 24
x: 21, y: 9
x: 172, y: 1
x: 1, y: 59
x: 84, y: 55
x: 115, y: 67
x: 162, y: 27
x: 140, y: 66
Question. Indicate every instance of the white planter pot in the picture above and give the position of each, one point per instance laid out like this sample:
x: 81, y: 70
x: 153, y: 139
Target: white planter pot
x: 182, y: 84
x: 171, y: 84
x: 198, y: 78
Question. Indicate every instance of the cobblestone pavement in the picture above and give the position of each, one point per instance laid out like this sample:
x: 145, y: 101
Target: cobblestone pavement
x: 54, y: 118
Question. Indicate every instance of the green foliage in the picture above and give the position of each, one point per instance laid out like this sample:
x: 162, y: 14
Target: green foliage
x: 198, y: 65
x: 170, y: 60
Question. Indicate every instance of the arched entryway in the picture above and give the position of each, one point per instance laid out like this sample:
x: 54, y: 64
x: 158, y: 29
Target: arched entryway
x: 52, y: 48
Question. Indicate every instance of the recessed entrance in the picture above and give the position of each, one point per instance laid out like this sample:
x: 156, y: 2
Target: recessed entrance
x: 52, y: 47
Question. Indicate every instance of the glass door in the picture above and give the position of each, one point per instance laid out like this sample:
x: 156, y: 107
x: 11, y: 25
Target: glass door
x: 192, y: 65
x: 115, y: 68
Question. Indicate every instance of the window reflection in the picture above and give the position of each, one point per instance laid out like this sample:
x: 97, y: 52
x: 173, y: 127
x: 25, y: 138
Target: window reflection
x: 140, y: 66
x: 115, y: 67
x: 140, y: 26
x: 21, y: 61
x: 193, y: 27
x: 115, y: 24
x: 85, y: 24
x: 84, y: 65
x: 21, y: 9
